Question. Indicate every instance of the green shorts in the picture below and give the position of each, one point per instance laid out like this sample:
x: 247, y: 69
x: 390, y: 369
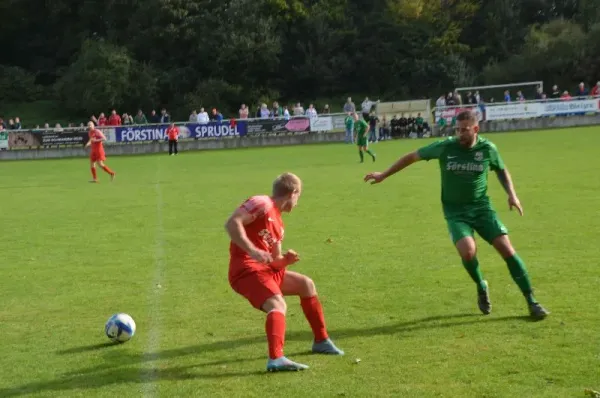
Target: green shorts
x: 483, y: 221
x: 362, y: 142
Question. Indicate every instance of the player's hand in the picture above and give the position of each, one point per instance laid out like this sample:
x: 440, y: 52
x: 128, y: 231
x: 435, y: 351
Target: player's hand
x: 375, y: 177
x: 513, y: 201
x: 262, y: 256
x: 291, y: 257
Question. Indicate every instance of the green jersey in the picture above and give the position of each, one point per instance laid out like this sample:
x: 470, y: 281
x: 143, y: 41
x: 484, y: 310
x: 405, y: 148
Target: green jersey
x: 419, y: 121
x: 349, y: 122
x: 464, y: 172
x: 361, y: 127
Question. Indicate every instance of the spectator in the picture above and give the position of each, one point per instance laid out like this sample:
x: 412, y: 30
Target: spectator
x: 470, y: 98
x: 164, y: 116
x: 2, y: 123
x: 102, y: 120
x: 127, y: 119
x: 311, y: 112
x: 384, y: 129
x: 506, y: 96
x: 366, y: 107
x: 373, y: 119
x: 538, y: 93
x: 477, y: 97
x: 349, y: 125
x: 520, y: 96
x: 18, y: 125
x: 154, y: 118
x: 458, y: 98
x: 114, y: 119
x: 11, y: 124
x: 286, y: 113
x: 140, y: 118
x: 555, y: 92
x: 298, y: 110
x: 582, y: 91
x: 58, y: 128
x: 565, y: 96
x: 277, y: 111
x: 257, y: 114
x: 326, y: 110
x: 450, y: 100
x: 441, y: 101
x: 216, y: 116
x: 349, y: 106
x: 193, y: 116
x: 203, y: 117
x: 243, y: 112
x: 595, y: 90
x: 264, y: 111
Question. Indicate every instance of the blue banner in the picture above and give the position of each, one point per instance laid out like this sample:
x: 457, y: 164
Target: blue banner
x: 158, y: 132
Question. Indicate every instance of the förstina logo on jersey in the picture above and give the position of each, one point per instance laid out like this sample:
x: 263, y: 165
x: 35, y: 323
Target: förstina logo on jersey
x: 469, y: 166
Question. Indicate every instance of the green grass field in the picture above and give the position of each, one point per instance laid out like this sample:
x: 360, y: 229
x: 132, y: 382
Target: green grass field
x: 394, y: 291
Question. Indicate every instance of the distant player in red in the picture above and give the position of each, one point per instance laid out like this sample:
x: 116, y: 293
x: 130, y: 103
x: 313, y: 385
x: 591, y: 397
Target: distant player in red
x: 97, y: 154
x: 173, y: 135
x: 257, y: 269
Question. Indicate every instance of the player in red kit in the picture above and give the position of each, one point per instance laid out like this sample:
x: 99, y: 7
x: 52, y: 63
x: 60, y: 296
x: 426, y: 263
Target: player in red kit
x: 97, y: 154
x: 258, y: 270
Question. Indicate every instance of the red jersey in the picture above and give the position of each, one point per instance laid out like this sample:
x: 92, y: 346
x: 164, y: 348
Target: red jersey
x: 96, y: 146
x: 102, y: 121
x: 265, y: 232
x: 173, y: 133
x: 114, y: 120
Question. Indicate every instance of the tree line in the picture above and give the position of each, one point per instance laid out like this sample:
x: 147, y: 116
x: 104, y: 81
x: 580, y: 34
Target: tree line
x: 182, y: 54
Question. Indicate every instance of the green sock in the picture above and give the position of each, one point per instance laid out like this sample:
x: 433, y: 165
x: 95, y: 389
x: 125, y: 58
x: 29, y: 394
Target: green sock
x: 472, y: 267
x: 517, y: 269
x: 370, y: 153
x: 362, y: 155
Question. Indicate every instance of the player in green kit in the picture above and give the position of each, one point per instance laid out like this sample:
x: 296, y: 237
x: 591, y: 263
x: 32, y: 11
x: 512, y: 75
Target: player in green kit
x: 464, y: 162
x: 361, y: 129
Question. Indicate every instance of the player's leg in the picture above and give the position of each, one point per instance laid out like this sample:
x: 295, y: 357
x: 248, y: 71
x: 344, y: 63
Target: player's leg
x: 170, y: 147
x: 106, y: 168
x: 175, y: 142
x: 367, y: 150
x: 295, y: 284
x: 360, y: 151
x: 461, y: 234
x: 93, y: 170
x: 494, y: 232
x: 264, y: 293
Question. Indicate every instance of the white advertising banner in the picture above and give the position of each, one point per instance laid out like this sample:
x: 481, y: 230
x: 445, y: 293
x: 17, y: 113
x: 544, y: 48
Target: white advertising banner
x: 570, y: 106
x: 513, y: 111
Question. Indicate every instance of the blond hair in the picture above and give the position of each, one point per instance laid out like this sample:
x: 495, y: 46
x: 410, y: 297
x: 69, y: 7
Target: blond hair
x: 286, y: 184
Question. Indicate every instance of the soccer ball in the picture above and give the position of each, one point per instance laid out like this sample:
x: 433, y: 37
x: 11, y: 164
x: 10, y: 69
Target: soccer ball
x: 120, y: 328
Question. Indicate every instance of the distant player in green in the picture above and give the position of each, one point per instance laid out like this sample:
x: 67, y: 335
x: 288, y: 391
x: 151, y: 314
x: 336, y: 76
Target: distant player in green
x: 464, y: 162
x: 361, y: 131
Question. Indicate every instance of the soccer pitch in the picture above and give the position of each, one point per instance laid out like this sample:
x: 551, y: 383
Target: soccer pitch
x: 152, y: 244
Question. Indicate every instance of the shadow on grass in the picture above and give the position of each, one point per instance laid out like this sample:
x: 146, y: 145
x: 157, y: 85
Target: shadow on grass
x: 108, y: 374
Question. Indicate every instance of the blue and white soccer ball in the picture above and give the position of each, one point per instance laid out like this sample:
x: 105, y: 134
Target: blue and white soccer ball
x: 120, y: 328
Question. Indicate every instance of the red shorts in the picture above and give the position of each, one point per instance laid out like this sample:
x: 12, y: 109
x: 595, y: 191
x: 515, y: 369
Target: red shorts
x: 97, y: 156
x: 258, y: 286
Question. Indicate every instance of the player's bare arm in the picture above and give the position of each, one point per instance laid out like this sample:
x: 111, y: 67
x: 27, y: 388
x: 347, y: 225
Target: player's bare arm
x: 400, y: 164
x: 506, y: 181
x: 281, y: 260
x: 235, y: 228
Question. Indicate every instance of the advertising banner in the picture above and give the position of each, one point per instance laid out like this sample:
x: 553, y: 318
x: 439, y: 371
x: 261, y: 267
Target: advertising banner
x: 3, y: 139
x: 568, y: 107
x: 158, y: 132
x: 263, y: 126
x: 321, y: 123
x: 513, y: 111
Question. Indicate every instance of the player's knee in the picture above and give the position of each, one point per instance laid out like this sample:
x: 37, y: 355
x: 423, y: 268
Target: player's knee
x: 275, y: 303
x: 467, y: 249
x: 308, y: 288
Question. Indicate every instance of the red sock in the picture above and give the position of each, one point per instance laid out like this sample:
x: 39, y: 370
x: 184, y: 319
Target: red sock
x: 313, y: 311
x: 275, y: 327
x: 94, y: 172
x: 109, y: 171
